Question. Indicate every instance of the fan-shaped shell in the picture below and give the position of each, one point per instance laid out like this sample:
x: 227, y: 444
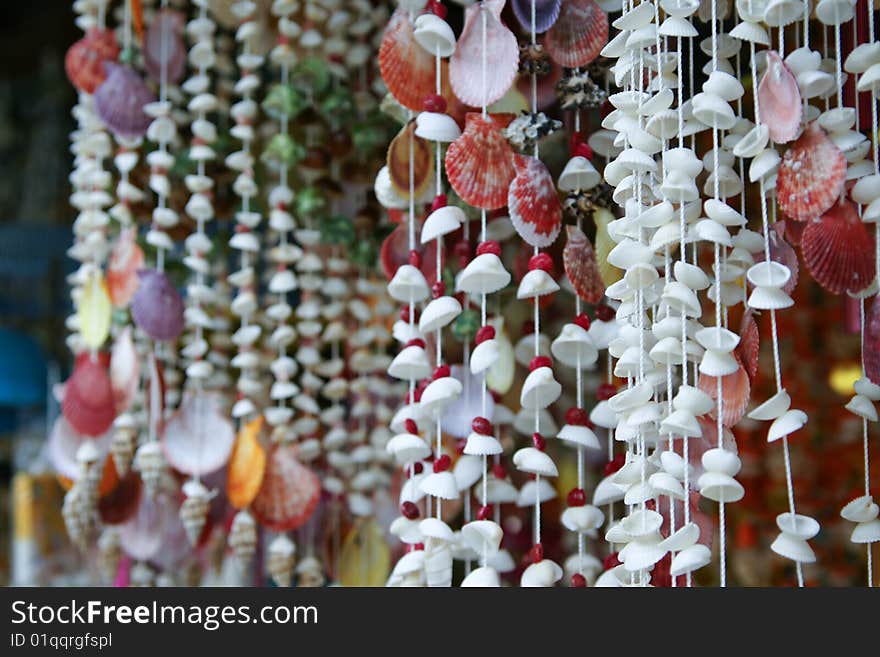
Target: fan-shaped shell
x: 578, y: 35
x: 782, y: 252
x: 126, y: 259
x: 289, y: 493
x: 247, y: 464
x: 156, y: 307
x: 120, y: 100
x: 533, y: 203
x: 143, y: 533
x: 479, y: 164
x: 125, y: 369
x: 546, y: 13
x: 581, y: 267
x: 398, y: 160
x: 749, y: 345
x: 811, y: 175
x: 779, y: 100
x: 84, y: 61
x: 735, y: 391
x: 198, y: 438
x: 163, y: 44
x: 395, y: 252
x: 94, y: 311
x: 63, y: 443
x: 88, y: 403
x: 406, y: 68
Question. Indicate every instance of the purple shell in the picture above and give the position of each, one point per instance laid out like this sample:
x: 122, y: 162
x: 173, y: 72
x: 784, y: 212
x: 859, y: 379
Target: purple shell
x: 167, y: 25
x: 546, y: 13
x: 156, y: 307
x: 120, y: 100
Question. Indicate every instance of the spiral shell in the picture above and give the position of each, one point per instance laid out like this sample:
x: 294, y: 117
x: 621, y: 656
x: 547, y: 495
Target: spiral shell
x: 243, y: 537
x: 194, y: 510
x: 280, y: 561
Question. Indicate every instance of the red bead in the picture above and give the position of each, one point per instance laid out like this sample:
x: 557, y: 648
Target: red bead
x: 489, y: 246
x: 417, y: 395
x: 418, y: 546
x: 528, y: 327
x: 484, y: 512
x: 498, y: 471
x: 418, y: 468
x: 539, y: 442
x: 460, y: 444
x: 411, y: 426
x: 604, y: 313
x: 409, y: 510
x: 606, y: 391
x: 439, y: 200
x: 541, y: 261
x: 583, y: 150
x: 583, y: 321
x: 540, y: 361
x: 415, y: 342
x: 481, y: 426
x: 575, y: 139
x: 440, y: 372
x: 611, y: 561
x: 415, y: 258
x: 434, y: 103
x: 462, y: 249
x: 404, y: 314
x: 536, y: 554
x: 463, y: 261
x: 442, y: 464
x: 577, y: 417
x: 576, y: 497
x: 485, y: 333
x: 438, y: 289
x: 496, y: 396
x: 578, y: 581
x: 437, y: 8
x: 614, y: 465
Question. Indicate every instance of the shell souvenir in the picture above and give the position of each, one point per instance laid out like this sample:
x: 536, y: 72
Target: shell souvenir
x: 407, y: 68
x: 120, y: 101
x: 156, y: 307
x: 89, y: 403
x: 581, y: 267
x: 125, y: 369
x: 811, y: 175
x: 163, y: 45
x: 289, y: 493
x: 143, y: 534
x: 533, y: 204
x: 198, y: 438
x: 126, y: 259
x: 546, y: 13
x: 480, y: 163
x: 779, y: 100
x: 247, y: 465
x: 736, y: 390
x: 578, y: 35
x: 604, y: 244
x: 473, y: 83
x: 395, y: 252
x: 94, y: 311
x: 365, y: 559
x: 63, y: 444
x: 749, y: 346
x: 781, y: 251
x: 399, y: 162
x: 838, y: 250
x: 84, y: 61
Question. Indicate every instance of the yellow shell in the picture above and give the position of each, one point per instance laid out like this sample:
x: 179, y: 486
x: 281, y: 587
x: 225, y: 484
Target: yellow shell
x: 610, y: 274
x: 364, y: 559
x: 94, y: 311
x: 244, y: 474
x: 398, y: 161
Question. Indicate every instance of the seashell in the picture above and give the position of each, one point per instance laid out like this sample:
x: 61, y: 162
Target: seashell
x: 735, y: 391
x: 280, y: 560
x: 474, y: 84
x: 786, y: 424
x: 540, y: 389
x: 545, y: 14
x: 88, y: 403
x: 574, y: 347
x: 811, y: 175
x: 779, y: 100
x: 120, y: 101
x: 247, y: 465
x: 748, y: 349
x: 243, y: 537
x: 838, y: 250
x: 156, y: 307
x: 437, y: 127
x: 125, y: 370
x: 126, y: 259
x: 482, y: 577
x: 439, y: 313
x: 289, y: 492
x: 532, y: 202
x: 442, y: 221
x: 484, y: 274
x: 579, y: 35
x: 434, y: 35
x: 164, y: 48
x: 395, y: 253
x: 861, y: 509
x: 791, y: 543
x: 480, y: 163
x: 194, y: 509
x: 94, y: 310
x: 141, y: 536
x: 783, y: 253
x: 84, y: 60
x: 579, y: 261
x: 398, y: 161
x: 198, y: 438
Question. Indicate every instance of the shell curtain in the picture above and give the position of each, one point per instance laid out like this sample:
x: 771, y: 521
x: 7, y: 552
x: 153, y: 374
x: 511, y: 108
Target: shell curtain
x: 487, y: 293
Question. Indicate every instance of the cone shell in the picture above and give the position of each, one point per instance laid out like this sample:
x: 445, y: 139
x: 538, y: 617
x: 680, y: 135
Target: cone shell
x: 395, y: 252
x: 533, y: 204
x: 546, y: 13
x: 247, y: 465
x: 735, y: 390
x: 125, y: 261
x: 811, y: 175
x: 838, y: 250
x: 466, y: 72
x: 578, y: 35
x: 125, y: 370
x: 749, y: 345
x: 779, y: 100
x: 89, y: 403
x: 289, y: 493
x: 163, y: 44
x: 581, y: 267
x: 479, y: 164
x: 120, y: 100
x: 398, y: 160
x: 156, y: 307
x: 198, y: 438
x: 84, y: 61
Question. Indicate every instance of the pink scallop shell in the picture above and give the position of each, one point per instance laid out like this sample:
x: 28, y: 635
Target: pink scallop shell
x: 289, y: 493
x: 84, y: 60
x: 578, y: 35
x: 88, y: 403
x: 125, y: 261
x: 167, y: 26
x: 811, y: 175
x: 198, y: 438
x: 533, y: 203
x: 779, y: 100
x: 120, y: 100
x: 479, y: 164
x: 749, y: 346
x: 407, y: 69
x: 736, y: 391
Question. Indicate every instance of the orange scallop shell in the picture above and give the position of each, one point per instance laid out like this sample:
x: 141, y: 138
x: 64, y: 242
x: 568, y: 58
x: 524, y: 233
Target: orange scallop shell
x: 533, y: 203
x: 289, y: 493
x: 578, y: 35
x: 247, y: 465
x: 125, y: 260
x: 735, y: 391
x: 398, y: 160
x: 479, y: 164
x: 84, y: 60
x: 811, y: 175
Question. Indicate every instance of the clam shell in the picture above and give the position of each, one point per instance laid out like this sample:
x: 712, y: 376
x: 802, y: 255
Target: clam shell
x: 247, y: 465
x: 779, y: 100
x: 88, y: 402
x: 579, y: 261
x: 398, y: 161
x: 84, y: 60
x: 163, y: 45
x: 126, y: 259
x: 63, y: 444
x: 811, y: 175
x: 838, y: 250
x: 480, y: 163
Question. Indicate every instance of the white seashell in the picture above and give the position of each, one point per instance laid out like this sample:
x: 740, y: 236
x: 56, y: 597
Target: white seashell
x: 863, y: 407
x: 440, y: 393
x: 437, y: 127
x: 483, y: 275
x: 481, y: 445
x: 533, y: 461
x: 442, y: 222
x: 540, y: 389
x: 482, y: 577
x: 861, y: 509
x: 439, y: 313
x: 440, y: 484
x: 536, y: 283
x: 408, y: 285
x: 574, y: 347
x: 690, y: 559
x: 578, y: 174
x: 545, y: 573
x: 864, y: 386
x: 580, y: 436
x: 786, y: 424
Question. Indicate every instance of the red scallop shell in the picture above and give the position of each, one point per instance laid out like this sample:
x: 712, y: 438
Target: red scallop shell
x: 89, y: 404
x: 811, y: 175
x: 749, y: 346
x: 782, y: 252
x: 407, y: 69
x: 578, y: 35
x: 736, y: 390
x: 479, y: 164
x: 84, y: 61
x: 163, y: 44
x: 395, y: 252
x: 838, y: 250
x: 290, y: 491
x: 779, y: 100
x: 533, y: 203
x: 125, y: 260
x: 581, y: 267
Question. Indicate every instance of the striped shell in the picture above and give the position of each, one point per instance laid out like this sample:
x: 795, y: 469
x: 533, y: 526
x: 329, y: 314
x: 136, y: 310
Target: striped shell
x: 479, y: 164
x: 289, y: 493
x: 84, y: 61
x: 578, y: 35
x: 811, y: 175
x: 533, y: 203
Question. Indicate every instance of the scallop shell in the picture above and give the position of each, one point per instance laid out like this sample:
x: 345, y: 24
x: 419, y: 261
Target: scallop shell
x: 88, y: 402
x: 198, y: 438
x: 156, y: 307
x: 546, y: 13
x: 782, y: 252
x: 126, y: 259
x: 479, y: 164
x: 735, y: 390
x: 838, y: 250
x: 466, y: 72
x: 63, y: 443
x: 749, y: 345
x: 94, y: 311
x: 406, y: 68
x: 289, y: 493
x: 398, y: 160
x: 84, y: 61
x: 779, y: 100
x: 581, y: 267
x: 120, y: 101
x: 395, y: 252
x: 143, y: 533
x: 163, y: 44
x: 604, y: 244
x: 811, y: 175
x: 125, y: 370
x: 533, y: 203
x: 247, y: 464
x: 578, y: 35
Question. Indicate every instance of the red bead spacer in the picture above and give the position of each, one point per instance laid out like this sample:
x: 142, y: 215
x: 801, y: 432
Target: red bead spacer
x: 418, y: 468
x: 438, y: 289
x: 418, y: 546
x: 434, y: 103
x: 409, y: 510
x: 437, y: 8
x: 496, y: 396
x: 540, y: 361
x: 611, y: 561
x: 539, y: 442
x: 484, y: 333
x: 489, y: 246
x: 499, y: 472
x: 441, y: 371
x: 583, y: 150
x: 578, y: 581
x: 481, y: 426
x: 576, y: 497
x: 577, y: 417
x: 404, y: 314
x: 536, y: 553
x: 462, y: 249
x: 415, y: 258
x: 604, y: 313
x: 438, y: 202
x: 415, y: 342
x: 541, y: 261
x: 442, y: 464
x: 484, y: 512
x: 614, y: 465
x: 606, y: 391
x: 411, y: 426
x: 583, y: 321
